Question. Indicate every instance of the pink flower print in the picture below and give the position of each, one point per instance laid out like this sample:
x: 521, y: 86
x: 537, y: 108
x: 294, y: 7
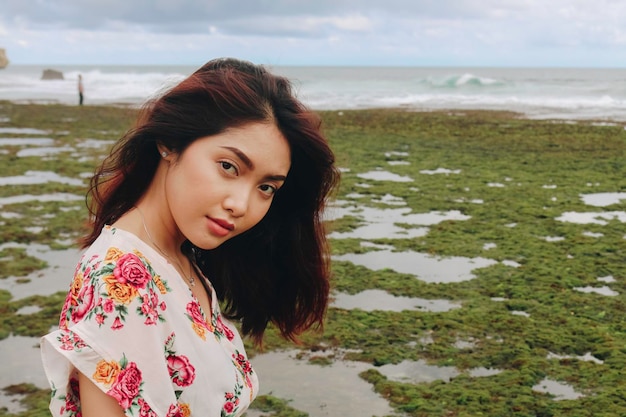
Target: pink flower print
x: 145, y: 410
x: 71, y: 341
x: 63, y: 318
x: 149, y: 307
x: 162, y: 306
x: 130, y: 270
x: 100, y: 319
x: 66, y: 342
x: 231, y: 404
x: 229, y: 407
x: 126, y: 386
x: 181, y: 370
x: 175, y: 411
x: 117, y: 324
x: 244, y: 363
x: 107, y: 305
x: 224, y: 329
x: 194, y: 310
x: 85, y: 302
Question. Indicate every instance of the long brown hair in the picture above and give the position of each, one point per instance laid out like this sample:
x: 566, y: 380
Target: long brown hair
x: 277, y: 271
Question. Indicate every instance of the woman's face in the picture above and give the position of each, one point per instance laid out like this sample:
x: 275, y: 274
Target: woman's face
x: 223, y: 185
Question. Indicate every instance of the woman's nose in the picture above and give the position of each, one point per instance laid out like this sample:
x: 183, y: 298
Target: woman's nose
x: 237, y: 202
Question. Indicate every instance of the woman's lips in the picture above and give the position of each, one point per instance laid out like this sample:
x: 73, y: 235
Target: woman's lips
x: 220, y: 227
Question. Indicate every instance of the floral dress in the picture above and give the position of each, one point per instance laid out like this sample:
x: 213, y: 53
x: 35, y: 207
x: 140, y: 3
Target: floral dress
x: 132, y: 326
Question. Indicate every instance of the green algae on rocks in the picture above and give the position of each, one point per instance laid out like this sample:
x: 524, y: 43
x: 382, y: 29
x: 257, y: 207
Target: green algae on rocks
x: 550, y: 306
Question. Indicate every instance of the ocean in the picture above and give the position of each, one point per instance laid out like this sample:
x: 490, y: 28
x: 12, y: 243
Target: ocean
x: 559, y: 93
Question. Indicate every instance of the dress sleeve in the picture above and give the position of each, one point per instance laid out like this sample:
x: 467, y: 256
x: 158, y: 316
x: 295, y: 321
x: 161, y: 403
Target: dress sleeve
x: 114, y: 328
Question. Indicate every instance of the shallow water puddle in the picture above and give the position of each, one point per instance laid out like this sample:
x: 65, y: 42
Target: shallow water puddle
x: 25, y: 198
x: 94, y: 143
x: 390, y: 199
x: 382, y: 222
x: 607, y: 279
x: 425, y: 267
x: 601, y: 218
x: 21, y: 363
x: 39, y: 177
x: 603, y: 199
x: 440, y: 171
x: 381, y: 175
x: 333, y: 390
x: 23, y: 131
x: 559, y: 390
x: 26, y: 141
x: 44, y: 151
x: 416, y: 372
x: 587, y: 357
x: 606, y: 291
x: 56, y: 277
x: 370, y: 300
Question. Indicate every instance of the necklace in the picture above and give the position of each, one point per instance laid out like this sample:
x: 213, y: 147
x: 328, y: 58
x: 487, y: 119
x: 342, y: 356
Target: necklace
x: 191, y: 279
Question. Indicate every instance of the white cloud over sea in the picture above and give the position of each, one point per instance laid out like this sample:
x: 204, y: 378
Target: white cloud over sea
x: 577, y: 33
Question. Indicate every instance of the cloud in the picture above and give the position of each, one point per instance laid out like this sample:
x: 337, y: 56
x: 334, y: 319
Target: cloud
x: 422, y: 32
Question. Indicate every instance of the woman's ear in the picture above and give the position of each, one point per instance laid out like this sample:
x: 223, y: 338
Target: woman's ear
x: 164, y: 151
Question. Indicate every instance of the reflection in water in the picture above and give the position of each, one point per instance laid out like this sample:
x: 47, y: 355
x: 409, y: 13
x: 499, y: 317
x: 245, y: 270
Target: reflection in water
x: 440, y: 171
x: 370, y: 300
x: 332, y: 390
x: 23, y: 131
x: 380, y: 175
x: 94, y: 143
x: 416, y: 372
x: 587, y: 357
x: 559, y: 390
x: 56, y: 277
x: 601, y: 218
x: 39, y: 177
x: 25, y: 198
x: 425, y: 267
x: 603, y: 199
x: 26, y: 141
x: 44, y: 151
x: 383, y: 223
x: 21, y: 363
x: 598, y: 290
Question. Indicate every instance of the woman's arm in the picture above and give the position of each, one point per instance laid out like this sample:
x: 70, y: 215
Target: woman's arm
x: 94, y: 402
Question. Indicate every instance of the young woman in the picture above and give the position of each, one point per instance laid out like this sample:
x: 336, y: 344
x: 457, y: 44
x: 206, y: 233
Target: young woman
x: 214, y: 197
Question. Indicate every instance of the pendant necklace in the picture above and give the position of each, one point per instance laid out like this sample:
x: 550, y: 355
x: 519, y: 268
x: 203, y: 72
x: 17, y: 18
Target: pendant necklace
x: 191, y: 279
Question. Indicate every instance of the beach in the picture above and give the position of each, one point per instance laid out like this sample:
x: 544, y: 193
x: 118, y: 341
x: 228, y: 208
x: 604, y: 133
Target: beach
x: 479, y: 261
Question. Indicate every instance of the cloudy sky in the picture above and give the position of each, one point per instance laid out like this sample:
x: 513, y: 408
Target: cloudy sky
x: 563, y: 33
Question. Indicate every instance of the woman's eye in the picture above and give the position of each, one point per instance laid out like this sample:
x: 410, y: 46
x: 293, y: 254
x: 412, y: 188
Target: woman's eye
x: 268, y: 189
x: 228, y: 167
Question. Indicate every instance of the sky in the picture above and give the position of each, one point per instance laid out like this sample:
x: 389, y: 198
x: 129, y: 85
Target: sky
x: 500, y: 33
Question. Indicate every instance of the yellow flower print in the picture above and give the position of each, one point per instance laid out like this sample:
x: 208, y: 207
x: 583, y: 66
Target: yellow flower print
x: 106, y: 372
x: 159, y: 284
x: 122, y: 293
x: 200, y: 330
x: 185, y: 410
x: 113, y: 254
x: 77, y: 284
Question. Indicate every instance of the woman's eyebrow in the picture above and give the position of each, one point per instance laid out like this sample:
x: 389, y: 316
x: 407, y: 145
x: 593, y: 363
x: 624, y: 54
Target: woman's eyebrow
x: 244, y: 158
x: 248, y: 162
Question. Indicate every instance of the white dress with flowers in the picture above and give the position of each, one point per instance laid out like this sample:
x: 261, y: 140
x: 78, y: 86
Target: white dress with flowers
x: 133, y: 327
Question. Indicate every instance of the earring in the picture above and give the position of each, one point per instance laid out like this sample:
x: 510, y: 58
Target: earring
x: 164, y: 154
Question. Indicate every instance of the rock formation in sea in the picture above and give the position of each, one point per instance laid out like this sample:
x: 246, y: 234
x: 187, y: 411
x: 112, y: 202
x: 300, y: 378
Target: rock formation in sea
x: 4, y: 61
x: 50, y: 74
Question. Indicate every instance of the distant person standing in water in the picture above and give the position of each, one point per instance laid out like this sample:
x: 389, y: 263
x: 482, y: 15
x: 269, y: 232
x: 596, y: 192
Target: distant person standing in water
x: 81, y: 90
